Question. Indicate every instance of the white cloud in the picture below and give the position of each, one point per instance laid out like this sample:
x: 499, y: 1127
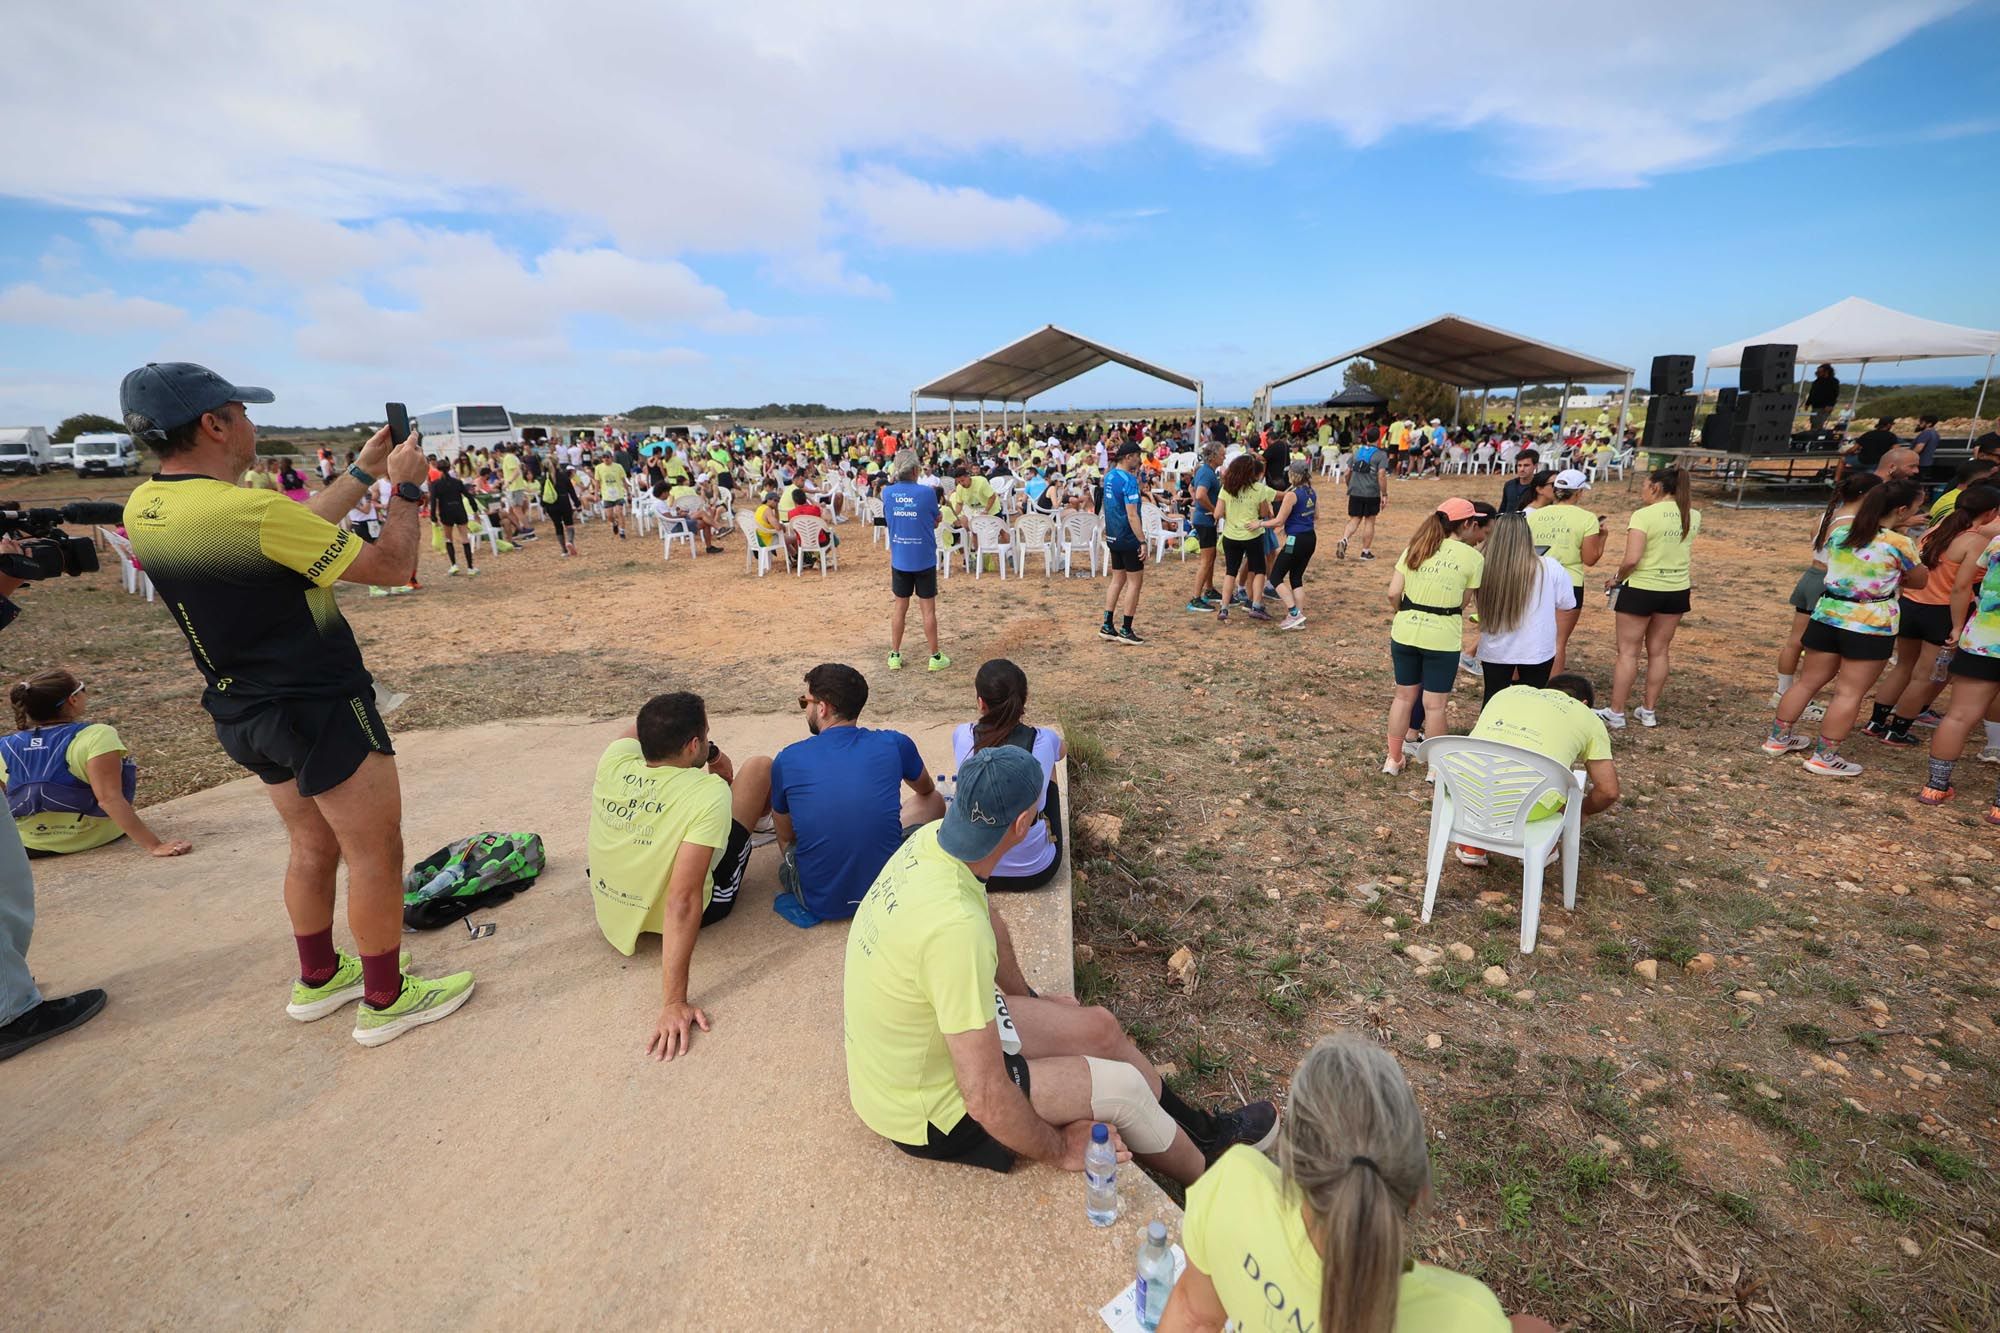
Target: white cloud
x: 896, y: 209
x: 33, y: 306
x: 657, y: 356
x: 824, y: 271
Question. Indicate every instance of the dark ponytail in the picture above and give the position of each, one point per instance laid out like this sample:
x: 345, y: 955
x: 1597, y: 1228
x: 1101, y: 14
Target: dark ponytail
x: 1879, y: 503
x: 1003, y: 688
x: 1974, y: 503
x: 38, y: 701
x: 1676, y: 483
x: 1849, y: 489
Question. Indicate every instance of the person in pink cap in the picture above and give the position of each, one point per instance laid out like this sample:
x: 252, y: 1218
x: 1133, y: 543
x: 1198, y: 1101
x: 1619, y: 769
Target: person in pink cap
x: 1434, y: 580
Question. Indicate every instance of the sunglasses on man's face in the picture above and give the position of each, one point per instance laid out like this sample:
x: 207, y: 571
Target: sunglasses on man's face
x: 805, y: 701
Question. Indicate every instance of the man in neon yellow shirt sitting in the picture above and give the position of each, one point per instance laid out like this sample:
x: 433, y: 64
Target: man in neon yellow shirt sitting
x: 1556, y: 722
x: 670, y: 821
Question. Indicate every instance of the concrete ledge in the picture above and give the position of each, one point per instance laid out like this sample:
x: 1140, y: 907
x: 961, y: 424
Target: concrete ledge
x: 194, y: 1158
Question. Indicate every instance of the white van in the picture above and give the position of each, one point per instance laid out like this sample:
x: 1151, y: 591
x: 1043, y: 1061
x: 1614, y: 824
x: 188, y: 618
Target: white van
x: 106, y: 453
x: 453, y: 428
x: 25, y: 449
x: 63, y: 454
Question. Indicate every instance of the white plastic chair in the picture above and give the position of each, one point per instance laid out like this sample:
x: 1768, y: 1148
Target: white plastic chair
x: 135, y: 579
x: 1483, y: 793
x: 950, y: 548
x: 868, y: 509
x: 1079, y: 532
x: 1155, y: 530
x: 755, y: 556
x: 677, y: 527
x: 1034, y: 533
x: 482, y: 530
x: 987, y: 534
x: 807, y: 530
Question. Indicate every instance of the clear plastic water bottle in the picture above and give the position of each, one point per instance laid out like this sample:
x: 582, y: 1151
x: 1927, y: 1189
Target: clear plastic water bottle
x: 1156, y: 1275
x: 1100, y: 1178
x: 1942, y: 671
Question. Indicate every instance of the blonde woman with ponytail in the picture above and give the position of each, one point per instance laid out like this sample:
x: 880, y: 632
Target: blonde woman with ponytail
x: 1652, y: 587
x: 1319, y: 1241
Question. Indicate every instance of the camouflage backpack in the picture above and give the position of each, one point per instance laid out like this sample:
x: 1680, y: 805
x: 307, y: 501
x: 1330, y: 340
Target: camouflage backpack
x: 464, y: 876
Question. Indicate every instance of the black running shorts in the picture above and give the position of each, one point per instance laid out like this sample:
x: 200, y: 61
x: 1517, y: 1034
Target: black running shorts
x: 316, y: 743
x: 967, y: 1142
x: 921, y: 583
x: 1929, y: 621
x: 1132, y: 560
x: 1851, y: 645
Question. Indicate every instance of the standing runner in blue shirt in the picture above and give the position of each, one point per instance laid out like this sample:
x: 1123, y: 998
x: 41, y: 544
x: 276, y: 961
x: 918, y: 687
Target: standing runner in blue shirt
x: 1121, y: 535
x: 910, y: 513
x: 1202, y: 490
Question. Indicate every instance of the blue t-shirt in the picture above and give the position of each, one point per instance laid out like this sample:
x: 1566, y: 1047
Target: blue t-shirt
x: 1120, y: 489
x: 1205, y: 476
x: 910, y: 512
x: 1305, y: 508
x: 843, y: 790
x: 1034, y: 488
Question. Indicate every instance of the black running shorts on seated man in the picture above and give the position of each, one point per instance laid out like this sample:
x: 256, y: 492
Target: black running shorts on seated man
x: 968, y: 1143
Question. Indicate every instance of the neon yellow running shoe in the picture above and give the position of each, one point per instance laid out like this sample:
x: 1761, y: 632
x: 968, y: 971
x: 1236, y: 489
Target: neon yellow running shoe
x: 895, y: 661
x: 422, y: 1001
x: 939, y: 662
x: 311, y: 1003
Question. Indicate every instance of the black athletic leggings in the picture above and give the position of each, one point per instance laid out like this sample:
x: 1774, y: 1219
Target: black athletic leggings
x: 1499, y: 675
x: 1292, y: 560
x: 564, y: 520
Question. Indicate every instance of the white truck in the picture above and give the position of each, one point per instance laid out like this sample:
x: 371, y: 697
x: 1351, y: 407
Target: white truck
x: 106, y: 453
x: 25, y: 449
x: 451, y: 428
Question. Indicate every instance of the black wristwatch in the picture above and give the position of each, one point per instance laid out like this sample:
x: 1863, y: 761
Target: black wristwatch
x: 409, y: 490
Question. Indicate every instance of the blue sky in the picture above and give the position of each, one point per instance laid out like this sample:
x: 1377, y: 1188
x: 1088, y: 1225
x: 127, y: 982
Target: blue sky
x: 780, y: 202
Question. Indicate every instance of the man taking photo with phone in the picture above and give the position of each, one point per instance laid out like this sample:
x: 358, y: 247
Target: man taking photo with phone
x: 249, y: 577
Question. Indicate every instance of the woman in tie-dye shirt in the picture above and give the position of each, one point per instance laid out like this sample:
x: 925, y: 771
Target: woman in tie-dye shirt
x: 1975, y: 674
x: 1853, y: 631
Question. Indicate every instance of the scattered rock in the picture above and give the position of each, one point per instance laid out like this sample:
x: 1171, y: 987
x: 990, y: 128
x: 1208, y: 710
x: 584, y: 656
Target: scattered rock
x: 1433, y: 1041
x: 1847, y: 886
x: 1700, y: 965
x: 1916, y: 951
x: 1272, y: 893
x: 1525, y: 996
x: 1491, y: 896
x: 1900, y: 890
x: 1875, y: 1004
x: 1180, y: 967
x: 1609, y: 1146
x: 1909, y: 1247
x: 1167, y: 1070
x: 1993, y: 923
x: 1462, y: 952
x: 1553, y: 932
x: 1648, y: 1141
x: 1647, y: 968
x: 1767, y: 1092
x: 1854, y: 1106
x: 1421, y: 953
x: 1397, y: 880
x: 1748, y: 997
x: 1099, y: 830
x: 1494, y: 976
x: 1911, y: 1073
x: 1084, y: 953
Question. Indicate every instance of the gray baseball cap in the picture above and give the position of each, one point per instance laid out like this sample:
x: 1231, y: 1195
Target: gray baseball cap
x: 172, y: 393
x: 994, y: 787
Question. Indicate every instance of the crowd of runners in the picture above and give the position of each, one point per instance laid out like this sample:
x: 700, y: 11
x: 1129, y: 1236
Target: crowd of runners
x: 951, y: 1054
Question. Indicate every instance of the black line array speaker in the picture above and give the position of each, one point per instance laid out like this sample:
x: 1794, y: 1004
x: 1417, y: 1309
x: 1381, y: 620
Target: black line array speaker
x: 1721, y: 423
x: 1669, y: 421
x: 1672, y: 374
x: 1763, y: 422
x: 1768, y: 367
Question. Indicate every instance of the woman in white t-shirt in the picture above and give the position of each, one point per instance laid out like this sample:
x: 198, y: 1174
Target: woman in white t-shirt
x: 1519, y: 595
x: 1002, y: 688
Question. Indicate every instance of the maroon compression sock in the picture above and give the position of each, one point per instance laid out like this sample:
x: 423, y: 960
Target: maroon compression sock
x: 381, y: 978
x: 317, y: 959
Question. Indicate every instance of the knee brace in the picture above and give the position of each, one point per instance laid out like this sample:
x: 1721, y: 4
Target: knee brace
x: 1119, y: 1096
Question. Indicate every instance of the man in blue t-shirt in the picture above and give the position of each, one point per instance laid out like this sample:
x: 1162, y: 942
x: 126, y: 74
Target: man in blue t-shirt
x: 1207, y: 484
x: 1122, y: 536
x: 910, y: 513
x: 837, y: 800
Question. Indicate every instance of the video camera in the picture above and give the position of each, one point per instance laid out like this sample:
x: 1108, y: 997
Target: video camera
x: 46, y: 550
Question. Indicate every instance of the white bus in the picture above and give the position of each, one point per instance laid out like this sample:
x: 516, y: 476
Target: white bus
x: 453, y: 428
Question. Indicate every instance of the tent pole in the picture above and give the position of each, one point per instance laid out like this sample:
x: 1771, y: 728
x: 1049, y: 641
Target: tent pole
x: 1624, y: 410
x: 913, y: 418
x: 953, y: 419
x: 1981, y: 406
x: 1562, y: 406
x: 1484, y: 390
x: 1457, y: 395
x: 982, y: 416
x: 1197, y: 415
x: 1854, y: 408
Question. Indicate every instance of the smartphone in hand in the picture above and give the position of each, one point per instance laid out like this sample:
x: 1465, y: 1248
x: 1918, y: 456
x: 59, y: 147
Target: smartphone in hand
x: 398, y: 417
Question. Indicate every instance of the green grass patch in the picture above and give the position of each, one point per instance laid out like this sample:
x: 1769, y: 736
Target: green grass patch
x: 1517, y: 1203
x: 1941, y: 1162
x: 1586, y: 1173
x: 1745, y: 911
x: 1809, y: 1035
x: 1740, y: 1207
x: 1886, y: 1199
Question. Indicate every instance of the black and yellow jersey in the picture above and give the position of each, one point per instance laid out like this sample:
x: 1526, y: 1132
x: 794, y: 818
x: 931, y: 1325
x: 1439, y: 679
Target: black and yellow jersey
x: 249, y: 577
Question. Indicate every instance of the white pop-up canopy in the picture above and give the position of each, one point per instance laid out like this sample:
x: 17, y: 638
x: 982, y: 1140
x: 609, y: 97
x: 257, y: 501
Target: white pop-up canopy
x: 1857, y: 331
x: 1028, y: 366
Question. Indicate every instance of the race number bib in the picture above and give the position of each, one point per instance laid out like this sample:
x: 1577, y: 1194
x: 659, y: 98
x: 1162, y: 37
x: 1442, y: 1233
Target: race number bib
x: 1010, y: 1036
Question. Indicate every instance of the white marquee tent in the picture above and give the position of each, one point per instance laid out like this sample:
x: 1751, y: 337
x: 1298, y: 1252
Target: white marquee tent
x: 1855, y: 331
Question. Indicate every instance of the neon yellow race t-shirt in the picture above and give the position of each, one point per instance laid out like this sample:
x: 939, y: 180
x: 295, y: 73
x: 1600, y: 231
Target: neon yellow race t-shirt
x: 1247, y: 1232
x: 921, y: 961
x: 1563, y: 528
x: 639, y: 817
x: 1239, y: 511
x: 1443, y: 580
x: 1664, y: 566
